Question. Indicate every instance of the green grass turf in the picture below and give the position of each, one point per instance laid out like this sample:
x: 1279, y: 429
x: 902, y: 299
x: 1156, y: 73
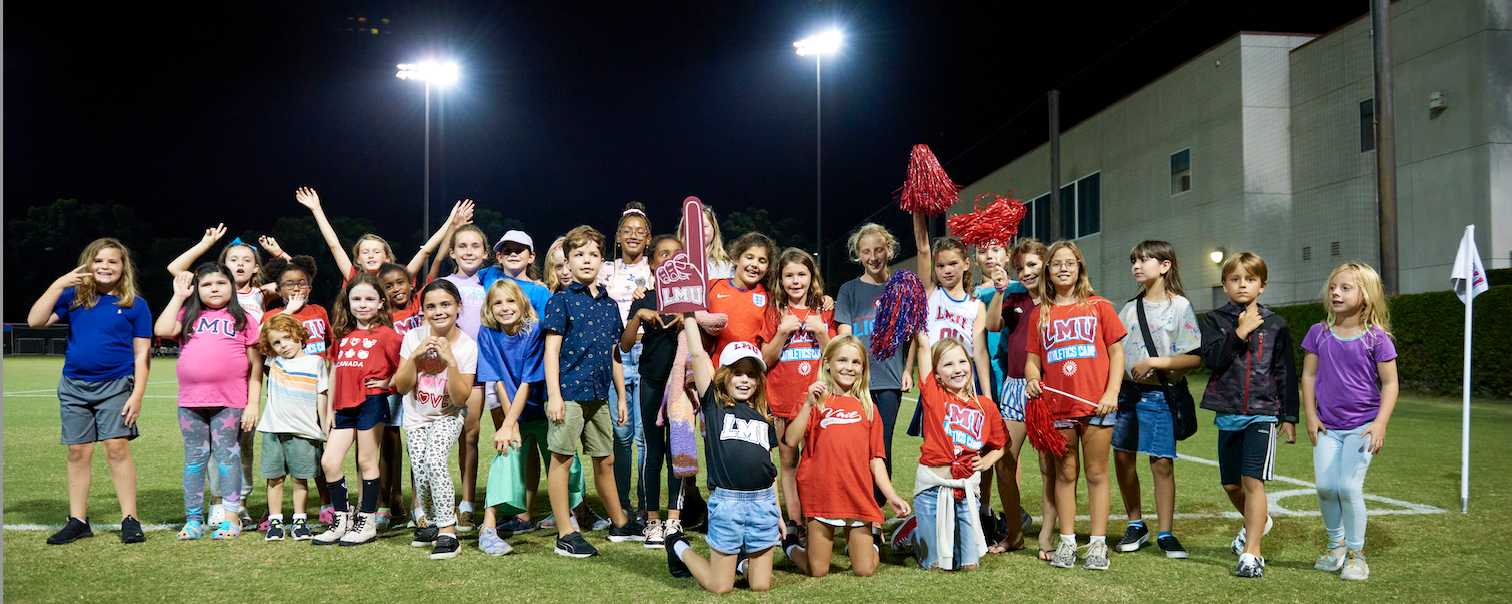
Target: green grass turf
x: 1434, y: 557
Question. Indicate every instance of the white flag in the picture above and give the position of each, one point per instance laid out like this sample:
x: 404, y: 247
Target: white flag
x: 1469, y: 276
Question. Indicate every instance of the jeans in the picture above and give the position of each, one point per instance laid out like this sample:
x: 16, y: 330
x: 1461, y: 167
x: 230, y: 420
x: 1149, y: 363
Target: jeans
x: 925, y: 537
x: 630, y: 432
x: 1339, y: 463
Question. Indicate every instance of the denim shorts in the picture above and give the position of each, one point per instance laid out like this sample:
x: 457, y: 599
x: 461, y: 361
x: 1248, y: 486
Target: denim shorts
x: 372, y: 412
x: 743, y: 521
x: 1149, y: 429
x: 925, y: 536
x: 1011, y: 400
x: 1104, y: 421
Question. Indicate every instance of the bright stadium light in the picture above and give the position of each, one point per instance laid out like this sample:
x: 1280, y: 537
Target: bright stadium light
x: 437, y: 74
x: 824, y: 43
x: 818, y: 45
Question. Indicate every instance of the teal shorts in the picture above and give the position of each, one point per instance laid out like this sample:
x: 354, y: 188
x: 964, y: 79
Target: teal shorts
x: 289, y: 455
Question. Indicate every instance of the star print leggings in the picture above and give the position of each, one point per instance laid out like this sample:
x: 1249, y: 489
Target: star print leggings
x: 430, y: 446
x: 211, y: 434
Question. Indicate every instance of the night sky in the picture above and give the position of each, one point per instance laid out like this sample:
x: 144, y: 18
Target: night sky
x: 567, y: 110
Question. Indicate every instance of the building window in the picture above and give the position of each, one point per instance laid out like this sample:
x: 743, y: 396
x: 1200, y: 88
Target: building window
x: 1081, y: 211
x: 1036, y: 222
x: 1306, y: 253
x: 1333, y: 249
x: 1089, y: 205
x: 1068, y: 212
x: 1181, y: 171
x: 1367, y: 125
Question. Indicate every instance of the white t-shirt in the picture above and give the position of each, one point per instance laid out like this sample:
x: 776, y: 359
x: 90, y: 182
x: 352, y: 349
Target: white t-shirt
x: 951, y: 318
x: 719, y: 270
x: 252, y: 302
x: 470, y: 316
x: 1173, y: 327
x: 620, y: 281
x: 430, y: 396
x: 293, y: 402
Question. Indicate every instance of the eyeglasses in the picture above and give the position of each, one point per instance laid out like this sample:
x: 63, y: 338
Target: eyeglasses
x: 1059, y: 264
x: 294, y: 284
x: 637, y: 231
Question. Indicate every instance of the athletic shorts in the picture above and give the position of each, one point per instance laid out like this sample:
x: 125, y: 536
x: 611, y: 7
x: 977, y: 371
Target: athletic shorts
x: 372, y: 412
x: 91, y: 411
x: 743, y: 521
x: 585, y: 422
x: 839, y: 522
x: 491, y: 397
x: 1249, y: 452
x: 289, y: 455
x: 1011, y: 400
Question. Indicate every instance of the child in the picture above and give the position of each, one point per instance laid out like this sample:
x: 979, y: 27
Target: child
x: 582, y: 328
x: 515, y: 253
x: 367, y: 355
x: 468, y: 252
x: 963, y: 435
x: 1075, y: 350
x: 717, y: 260
x: 873, y: 247
x: 400, y: 290
x: 738, y: 435
x: 1253, y: 387
x: 842, y: 463
x: 628, y: 277
x: 794, y: 333
x: 1008, y: 313
x: 993, y: 258
x: 104, y: 376
x: 372, y: 251
x: 558, y: 274
x: 290, y: 427
x: 403, y: 297
x: 742, y: 297
x: 436, y: 376
x: 1145, y: 423
x: 1349, y: 390
x: 510, y: 356
x: 953, y: 314
x: 292, y: 277
x: 220, y: 385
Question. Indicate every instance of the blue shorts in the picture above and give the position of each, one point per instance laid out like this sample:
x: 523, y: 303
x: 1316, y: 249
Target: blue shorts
x: 743, y: 521
x: 373, y: 411
x: 1011, y: 399
x: 926, y: 534
x: 1102, y: 421
x: 1149, y: 428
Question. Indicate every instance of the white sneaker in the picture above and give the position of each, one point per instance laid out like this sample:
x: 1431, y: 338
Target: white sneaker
x: 671, y: 525
x: 1065, y: 555
x: 1355, y: 568
x: 1097, y: 556
x: 341, y: 522
x: 1237, y: 547
x: 655, y: 535
x: 1331, y: 561
x: 364, y: 530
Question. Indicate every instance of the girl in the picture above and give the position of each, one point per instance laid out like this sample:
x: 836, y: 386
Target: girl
x: 717, y: 260
x: 510, y: 355
x: 1349, y: 390
x: 1075, y: 348
x: 558, y: 274
x: 623, y: 280
x: 220, y: 382
x: 738, y: 437
x: 842, y: 463
x: 468, y: 251
x: 436, y: 377
x: 367, y: 354
x: 855, y: 313
x: 1010, y: 314
x: 952, y: 313
x: 104, y: 376
x: 404, y: 308
x: 1145, y: 424
x: 993, y: 258
x: 742, y: 298
x: 371, y: 251
x: 794, y: 332
x: 963, y: 435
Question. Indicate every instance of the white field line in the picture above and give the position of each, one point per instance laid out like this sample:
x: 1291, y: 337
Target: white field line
x: 98, y: 528
x: 54, y: 390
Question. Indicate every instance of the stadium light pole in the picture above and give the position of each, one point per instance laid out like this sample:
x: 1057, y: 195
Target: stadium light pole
x: 824, y: 43
x: 441, y: 74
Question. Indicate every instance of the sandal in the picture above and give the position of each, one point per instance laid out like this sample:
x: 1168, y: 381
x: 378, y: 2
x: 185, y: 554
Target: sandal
x: 1046, y: 555
x: 193, y: 530
x: 227, y: 531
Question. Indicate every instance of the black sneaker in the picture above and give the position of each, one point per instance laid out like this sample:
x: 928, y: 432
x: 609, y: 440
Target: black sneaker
x: 301, y: 530
x: 73, y: 531
x: 425, y: 536
x: 574, y: 546
x: 275, y: 530
x: 631, y: 531
x: 1134, y: 538
x: 1171, y: 547
x: 675, y: 564
x: 790, y: 541
x: 131, y: 530
x: 446, y: 548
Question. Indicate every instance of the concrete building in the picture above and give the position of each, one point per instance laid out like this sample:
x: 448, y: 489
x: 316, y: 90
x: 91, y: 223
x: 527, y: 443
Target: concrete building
x: 1265, y: 143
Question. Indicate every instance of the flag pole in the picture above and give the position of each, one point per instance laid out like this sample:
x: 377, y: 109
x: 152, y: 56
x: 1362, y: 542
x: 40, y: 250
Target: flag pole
x: 1465, y: 389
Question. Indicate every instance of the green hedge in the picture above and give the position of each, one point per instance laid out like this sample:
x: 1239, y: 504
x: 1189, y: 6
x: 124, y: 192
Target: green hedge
x: 1429, y: 330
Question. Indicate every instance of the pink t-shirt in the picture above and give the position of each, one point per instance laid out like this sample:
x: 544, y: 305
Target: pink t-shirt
x: 212, y: 364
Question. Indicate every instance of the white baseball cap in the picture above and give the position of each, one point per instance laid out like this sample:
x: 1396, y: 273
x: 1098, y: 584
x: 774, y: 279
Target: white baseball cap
x: 519, y: 237
x: 735, y: 351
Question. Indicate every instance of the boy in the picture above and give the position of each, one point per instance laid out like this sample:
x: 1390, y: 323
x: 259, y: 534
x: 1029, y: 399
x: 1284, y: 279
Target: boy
x: 583, y: 327
x: 1253, y: 388
x: 515, y: 252
x: 291, y: 434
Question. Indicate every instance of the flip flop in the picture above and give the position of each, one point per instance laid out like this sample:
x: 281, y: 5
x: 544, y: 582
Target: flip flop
x: 1046, y: 555
x: 193, y: 530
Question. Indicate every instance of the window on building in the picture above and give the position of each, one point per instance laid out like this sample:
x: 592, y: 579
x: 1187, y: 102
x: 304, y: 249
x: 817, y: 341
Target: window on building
x: 1181, y: 171
x: 1036, y: 222
x: 1080, y: 211
x: 1068, y: 212
x: 1089, y: 205
x: 1306, y: 253
x: 1367, y: 125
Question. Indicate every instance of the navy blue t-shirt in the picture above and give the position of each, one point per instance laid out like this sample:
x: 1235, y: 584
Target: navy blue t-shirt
x: 514, y: 360
x: 100, y: 338
x: 590, y: 327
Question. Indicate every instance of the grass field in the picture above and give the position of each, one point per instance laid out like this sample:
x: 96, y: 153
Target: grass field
x: 1422, y: 549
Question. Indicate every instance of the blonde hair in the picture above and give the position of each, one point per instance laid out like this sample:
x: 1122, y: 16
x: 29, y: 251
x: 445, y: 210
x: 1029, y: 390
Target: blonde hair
x: 1375, y: 311
x: 508, y: 287
x: 87, y: 294
x: 861, y: 389
x: 715, y: 245
x: 388, y: 250
x: 1082, y: 290
x: 550, y: 264
x: 1251, y: 262
x: 721, y: 386
x: 871, y: 228
x: 939, y: 349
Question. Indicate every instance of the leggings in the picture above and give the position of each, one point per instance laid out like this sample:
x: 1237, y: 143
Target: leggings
x: 429, y: 446
x: 887, y: 402
x: 1339, y: 464
x: 211, y: 432
x: 656, y: 452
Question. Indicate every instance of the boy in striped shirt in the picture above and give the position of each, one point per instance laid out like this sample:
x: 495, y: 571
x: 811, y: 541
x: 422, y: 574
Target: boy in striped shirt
x: 290, y: 426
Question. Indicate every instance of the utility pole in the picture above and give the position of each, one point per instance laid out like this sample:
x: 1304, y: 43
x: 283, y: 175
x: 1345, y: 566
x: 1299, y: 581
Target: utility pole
x: 1055, y: 198
x: 1385, y: 116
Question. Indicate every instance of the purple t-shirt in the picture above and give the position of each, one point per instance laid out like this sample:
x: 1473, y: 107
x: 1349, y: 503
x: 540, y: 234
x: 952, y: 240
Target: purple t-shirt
x: 1348, y: 388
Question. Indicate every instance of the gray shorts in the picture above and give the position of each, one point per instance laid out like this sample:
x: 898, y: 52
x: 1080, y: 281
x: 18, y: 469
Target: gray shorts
x: 92, y: 410
x: 289, y: 455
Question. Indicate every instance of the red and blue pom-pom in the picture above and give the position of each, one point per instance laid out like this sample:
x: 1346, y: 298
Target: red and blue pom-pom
x: 901, y: 312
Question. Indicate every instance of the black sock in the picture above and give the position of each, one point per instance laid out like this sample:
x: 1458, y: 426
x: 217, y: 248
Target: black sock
x: 369, y: 502
x: 337, y: 489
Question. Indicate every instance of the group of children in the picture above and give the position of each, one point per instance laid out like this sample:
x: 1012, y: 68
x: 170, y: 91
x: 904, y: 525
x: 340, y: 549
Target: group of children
x: 578, y: 359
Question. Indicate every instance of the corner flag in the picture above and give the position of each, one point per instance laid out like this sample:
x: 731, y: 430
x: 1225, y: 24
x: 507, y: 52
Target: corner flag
x: 1468, y: 279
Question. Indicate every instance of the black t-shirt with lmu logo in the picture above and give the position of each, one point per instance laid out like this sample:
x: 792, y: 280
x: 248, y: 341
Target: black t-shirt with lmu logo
x: 738, y: 444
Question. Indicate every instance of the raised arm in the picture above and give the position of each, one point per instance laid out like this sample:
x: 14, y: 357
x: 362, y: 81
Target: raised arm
x: 307, y: 197
x: 921, y: 243
x: 461, y: 213
x: 168, y: 325
x: 41, y: 313
x: 703, y: 367
x: 185, y: 261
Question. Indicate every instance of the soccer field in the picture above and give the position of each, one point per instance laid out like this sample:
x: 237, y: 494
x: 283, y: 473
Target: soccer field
x: 1419, y: 545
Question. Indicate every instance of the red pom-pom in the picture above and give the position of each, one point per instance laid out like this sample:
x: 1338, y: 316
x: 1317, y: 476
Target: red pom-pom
x: 1041, y: 427
x: 995, y: 224
x: 928, y: 188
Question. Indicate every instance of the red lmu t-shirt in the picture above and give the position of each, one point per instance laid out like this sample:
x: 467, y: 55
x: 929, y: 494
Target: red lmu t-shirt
x: 360, y: 356
x: 834, y: 474
x: 1073, y: 352
x: 746, y: 309
x: 797, y: 365
x: 315, y: 321
x: 955, y: 428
